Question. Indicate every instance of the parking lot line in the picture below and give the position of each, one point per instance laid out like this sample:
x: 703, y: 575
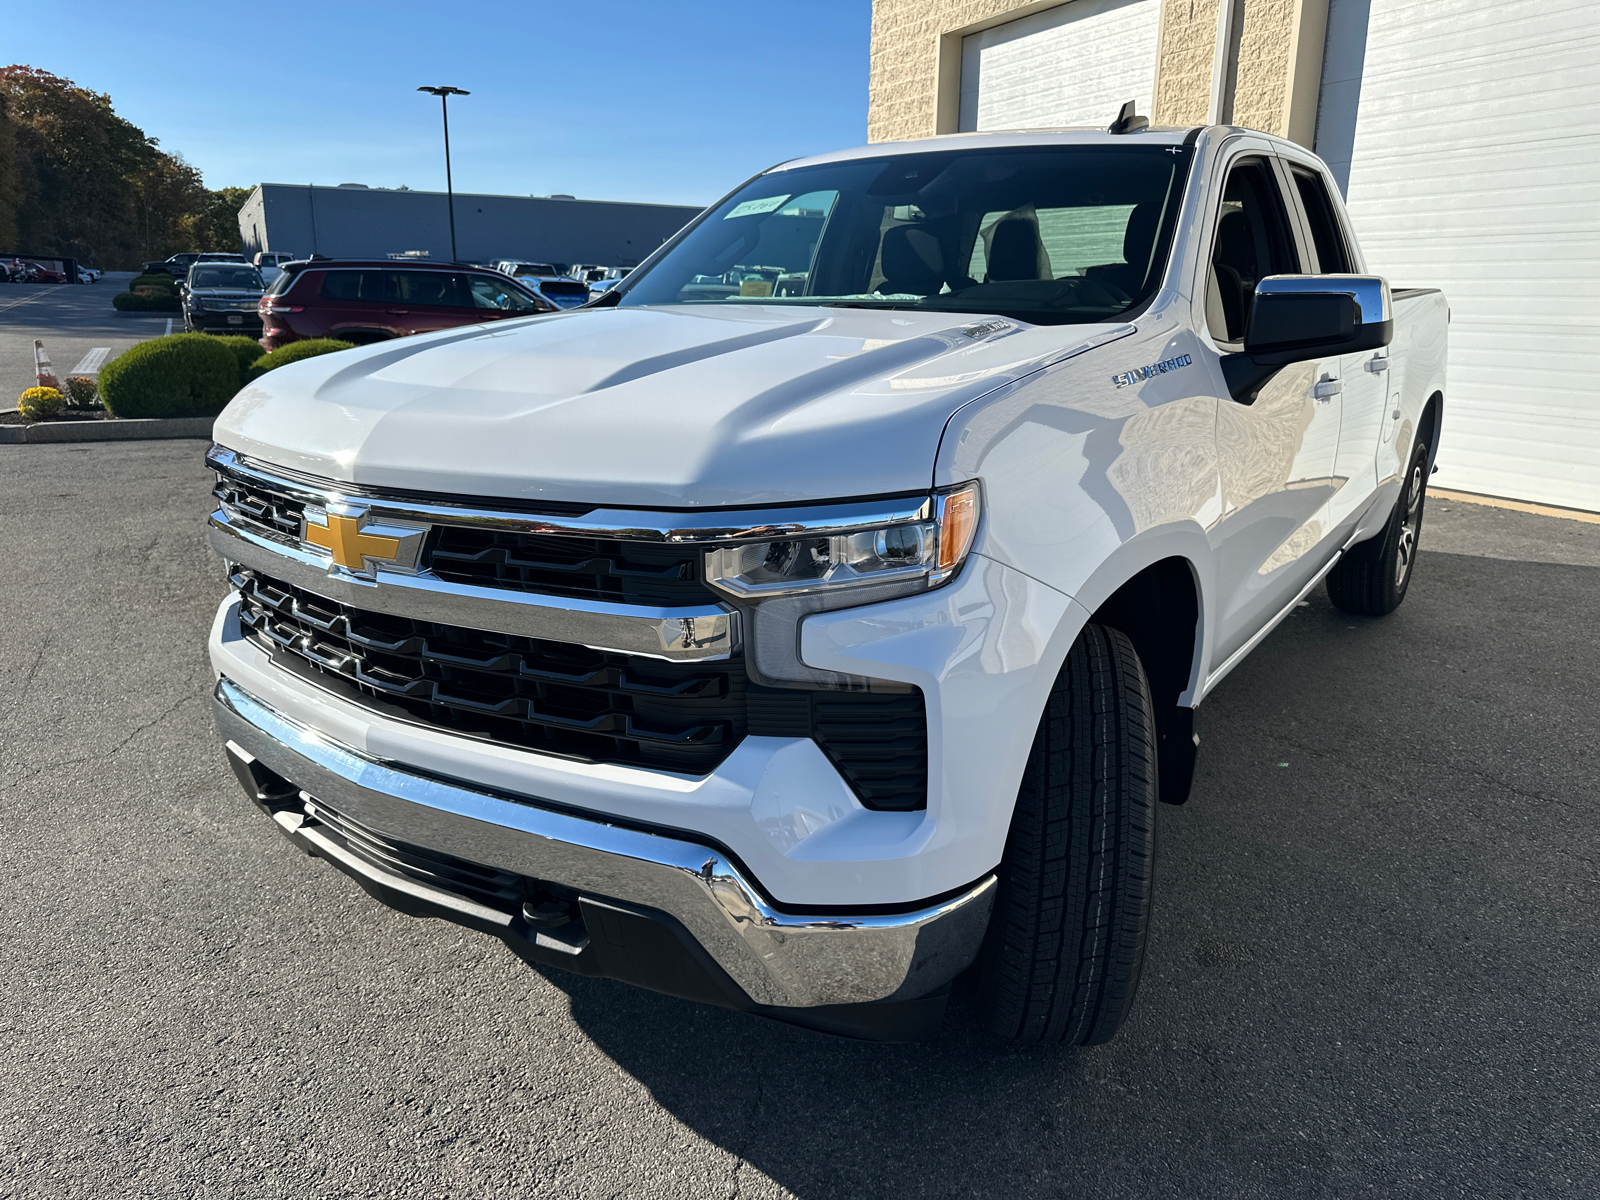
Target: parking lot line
x: 16, y: 303
x: 91, y: 362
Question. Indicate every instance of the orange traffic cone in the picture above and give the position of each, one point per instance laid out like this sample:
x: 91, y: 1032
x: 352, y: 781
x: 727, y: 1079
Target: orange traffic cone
x: 41, y: 365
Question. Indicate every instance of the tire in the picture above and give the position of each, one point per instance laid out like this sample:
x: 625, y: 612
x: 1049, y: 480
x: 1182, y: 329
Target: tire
x: 1061, y: 960
x: 1373, y: 575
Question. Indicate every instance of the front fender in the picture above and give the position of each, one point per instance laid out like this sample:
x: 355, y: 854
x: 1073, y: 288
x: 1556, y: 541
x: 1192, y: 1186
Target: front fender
x: 985, y: 650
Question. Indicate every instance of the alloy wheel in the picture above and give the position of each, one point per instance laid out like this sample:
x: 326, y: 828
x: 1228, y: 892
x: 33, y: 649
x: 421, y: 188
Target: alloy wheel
x: 1406, y: 552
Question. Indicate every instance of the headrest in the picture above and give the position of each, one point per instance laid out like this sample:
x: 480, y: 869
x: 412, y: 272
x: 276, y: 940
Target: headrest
x: 1014, y: 250
x: 912, y: 261
x: 1235, y: 246
x: 1140, y: 235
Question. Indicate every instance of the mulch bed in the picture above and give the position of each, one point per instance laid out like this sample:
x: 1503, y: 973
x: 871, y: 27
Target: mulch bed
x: 13, y: 417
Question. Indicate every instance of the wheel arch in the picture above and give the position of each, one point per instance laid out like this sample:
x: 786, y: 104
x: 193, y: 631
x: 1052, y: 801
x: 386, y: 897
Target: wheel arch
x: 1430, y: 423
x: 1159, y: 608
x: 360, y: 335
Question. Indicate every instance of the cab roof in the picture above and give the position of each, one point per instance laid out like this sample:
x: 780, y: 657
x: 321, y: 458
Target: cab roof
x: 1161, y: 135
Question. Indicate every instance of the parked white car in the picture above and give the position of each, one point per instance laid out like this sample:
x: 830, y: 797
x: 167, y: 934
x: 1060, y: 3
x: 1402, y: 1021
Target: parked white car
x: 270, y: 263
x: 822, y: 613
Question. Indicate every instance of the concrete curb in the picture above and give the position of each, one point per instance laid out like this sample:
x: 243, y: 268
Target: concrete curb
x: 137, y: 429
x: 157, y: 315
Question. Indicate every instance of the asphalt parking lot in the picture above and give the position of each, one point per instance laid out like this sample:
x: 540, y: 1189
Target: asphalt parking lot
x: 71, y: 320
x: 1372, y: 970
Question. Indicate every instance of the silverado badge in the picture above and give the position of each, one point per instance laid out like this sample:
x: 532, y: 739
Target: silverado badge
x: 1140, y: 374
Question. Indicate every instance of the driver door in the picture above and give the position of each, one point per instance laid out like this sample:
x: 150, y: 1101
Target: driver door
x: 1277, y: 453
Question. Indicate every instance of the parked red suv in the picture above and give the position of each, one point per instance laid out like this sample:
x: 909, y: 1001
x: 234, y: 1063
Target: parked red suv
x: 372, y: 301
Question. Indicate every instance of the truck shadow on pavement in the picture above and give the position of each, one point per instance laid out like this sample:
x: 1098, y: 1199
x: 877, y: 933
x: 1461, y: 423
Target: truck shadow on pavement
x: 1381, y: 854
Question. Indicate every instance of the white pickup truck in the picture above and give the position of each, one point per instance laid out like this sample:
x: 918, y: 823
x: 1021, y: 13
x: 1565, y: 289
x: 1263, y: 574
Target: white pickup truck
x: 820, y: 614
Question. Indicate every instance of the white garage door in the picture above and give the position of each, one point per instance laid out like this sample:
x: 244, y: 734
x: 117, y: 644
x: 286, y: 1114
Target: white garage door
x: 1071, y: 65
x: 1475, y: 167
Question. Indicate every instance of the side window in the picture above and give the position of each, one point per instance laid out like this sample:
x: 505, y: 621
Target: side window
x: 365, y: 286
x: 1332, y: 258
x: 1252, y: 242
x: 488, y: 292
x: 436, y: 288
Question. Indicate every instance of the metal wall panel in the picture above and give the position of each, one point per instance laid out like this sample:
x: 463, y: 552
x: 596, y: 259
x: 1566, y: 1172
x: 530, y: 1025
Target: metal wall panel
x: 1071, y: 65
x: 1475, y: 166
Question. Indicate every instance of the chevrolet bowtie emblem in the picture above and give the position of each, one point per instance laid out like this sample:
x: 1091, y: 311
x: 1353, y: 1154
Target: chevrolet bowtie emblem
x: 361, y: 545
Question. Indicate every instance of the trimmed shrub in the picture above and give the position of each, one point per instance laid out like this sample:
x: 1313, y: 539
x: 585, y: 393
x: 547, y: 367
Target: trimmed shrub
x: 294, y: 352
x: 37, y: 403
x: 82, y: 393
x: 158, y: 302
x: 167, y: 283
x: 184, y: 375
x: 246, y: 350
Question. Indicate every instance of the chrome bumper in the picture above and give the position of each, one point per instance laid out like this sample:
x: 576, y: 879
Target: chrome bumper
x: 778, y: 960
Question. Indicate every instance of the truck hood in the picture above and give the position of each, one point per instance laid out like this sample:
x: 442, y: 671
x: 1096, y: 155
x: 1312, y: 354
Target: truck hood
x: 670, y: 407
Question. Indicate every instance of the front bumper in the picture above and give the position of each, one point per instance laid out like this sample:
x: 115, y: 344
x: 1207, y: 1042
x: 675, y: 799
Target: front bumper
x: 248, y: 322
x: 654, y: 909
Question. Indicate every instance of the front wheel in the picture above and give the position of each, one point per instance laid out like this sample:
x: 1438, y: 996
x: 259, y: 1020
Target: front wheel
x: 1373, y: 576
x: 1066, y: 943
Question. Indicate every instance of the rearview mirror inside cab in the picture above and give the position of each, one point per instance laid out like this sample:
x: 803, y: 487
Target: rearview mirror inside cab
x: 1294, y: 318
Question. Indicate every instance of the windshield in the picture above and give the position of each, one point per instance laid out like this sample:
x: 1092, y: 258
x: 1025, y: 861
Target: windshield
x: 1050, y: 234
x: 227, y: 277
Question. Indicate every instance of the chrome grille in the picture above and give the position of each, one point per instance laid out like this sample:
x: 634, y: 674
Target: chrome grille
x: 585, y: 568
x: 276, y: 512
x: 588, y: 704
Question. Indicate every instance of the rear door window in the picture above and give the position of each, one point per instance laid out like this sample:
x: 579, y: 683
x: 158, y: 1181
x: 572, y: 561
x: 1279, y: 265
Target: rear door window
x: 1326, y: 237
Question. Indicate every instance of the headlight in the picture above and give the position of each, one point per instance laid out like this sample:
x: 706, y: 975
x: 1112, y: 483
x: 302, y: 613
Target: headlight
x: 196, y: 303
x: 915, y: 555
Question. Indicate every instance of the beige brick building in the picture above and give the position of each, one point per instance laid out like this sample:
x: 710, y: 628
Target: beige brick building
x: 1255, y: 63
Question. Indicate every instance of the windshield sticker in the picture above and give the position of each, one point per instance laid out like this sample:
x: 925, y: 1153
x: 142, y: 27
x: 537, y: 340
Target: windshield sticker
x: 751, y: 208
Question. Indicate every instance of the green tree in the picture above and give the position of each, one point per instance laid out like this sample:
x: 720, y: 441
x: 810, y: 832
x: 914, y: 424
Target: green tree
x: 216, y: 225
x: 78, y: 180
x: 10, y: 193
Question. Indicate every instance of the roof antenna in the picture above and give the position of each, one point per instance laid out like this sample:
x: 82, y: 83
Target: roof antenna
x: 1128, y: 121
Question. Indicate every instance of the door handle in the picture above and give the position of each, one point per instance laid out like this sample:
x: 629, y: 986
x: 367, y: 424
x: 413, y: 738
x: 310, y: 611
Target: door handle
x: 1327, y: 389
x: 399, y: 312
x: 1378, y: 363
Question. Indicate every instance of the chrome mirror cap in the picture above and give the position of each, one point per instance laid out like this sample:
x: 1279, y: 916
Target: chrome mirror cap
x: 1370, y: 292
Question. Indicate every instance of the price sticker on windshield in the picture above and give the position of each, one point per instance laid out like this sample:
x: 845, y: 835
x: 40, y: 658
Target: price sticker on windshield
x: 751, y: 208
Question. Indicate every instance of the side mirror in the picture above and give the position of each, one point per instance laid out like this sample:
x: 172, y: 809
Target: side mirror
x: 1296, y: 318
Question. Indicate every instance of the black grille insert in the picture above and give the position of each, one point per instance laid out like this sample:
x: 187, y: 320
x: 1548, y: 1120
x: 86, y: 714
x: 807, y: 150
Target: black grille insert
x: 562, y: 565
x: 488, y: 886
x: 545, y: 696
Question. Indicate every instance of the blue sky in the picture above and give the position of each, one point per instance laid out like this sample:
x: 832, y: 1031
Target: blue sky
x: 618, y: 100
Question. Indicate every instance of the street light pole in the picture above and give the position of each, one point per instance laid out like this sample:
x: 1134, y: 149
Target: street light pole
x: 444, y: 94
